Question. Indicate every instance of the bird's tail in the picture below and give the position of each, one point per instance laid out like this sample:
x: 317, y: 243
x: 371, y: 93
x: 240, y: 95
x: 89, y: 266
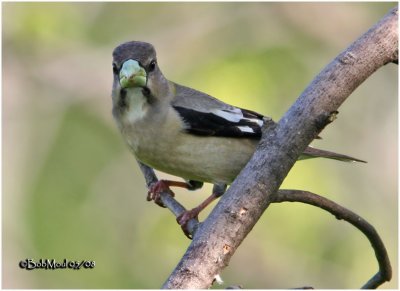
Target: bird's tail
x: 311, y: 152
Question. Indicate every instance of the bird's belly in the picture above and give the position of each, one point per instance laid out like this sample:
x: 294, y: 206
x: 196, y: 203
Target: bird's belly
x: 207, y: 159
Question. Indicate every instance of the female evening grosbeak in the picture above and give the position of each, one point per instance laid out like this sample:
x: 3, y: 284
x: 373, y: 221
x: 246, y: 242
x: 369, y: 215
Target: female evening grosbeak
x: 181, y: 131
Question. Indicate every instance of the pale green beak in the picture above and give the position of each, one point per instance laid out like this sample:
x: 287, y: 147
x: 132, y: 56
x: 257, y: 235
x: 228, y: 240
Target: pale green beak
x: 132, y: 75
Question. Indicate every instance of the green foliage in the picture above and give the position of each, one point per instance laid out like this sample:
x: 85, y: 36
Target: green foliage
x: 58, y: 214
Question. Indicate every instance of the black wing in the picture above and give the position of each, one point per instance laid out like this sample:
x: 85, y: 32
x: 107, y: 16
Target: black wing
x: 232, y: 122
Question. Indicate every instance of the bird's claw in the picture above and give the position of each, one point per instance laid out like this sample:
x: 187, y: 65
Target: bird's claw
x: 184, y: 218
x: 155, y: 191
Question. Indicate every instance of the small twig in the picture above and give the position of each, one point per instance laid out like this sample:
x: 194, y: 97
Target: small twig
x: 385, y: 271
x: 169, y: 202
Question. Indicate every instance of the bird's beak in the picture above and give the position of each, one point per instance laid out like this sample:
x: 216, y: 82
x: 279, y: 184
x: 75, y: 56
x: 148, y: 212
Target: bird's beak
x: 132, y: 75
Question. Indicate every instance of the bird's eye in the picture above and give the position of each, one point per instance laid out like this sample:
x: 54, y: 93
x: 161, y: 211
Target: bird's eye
x: 115, y: 69
x: 152, y: 66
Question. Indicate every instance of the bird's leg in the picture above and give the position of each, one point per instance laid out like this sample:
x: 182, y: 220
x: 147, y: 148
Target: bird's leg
x: 163, y: 185
x: 183, y: 219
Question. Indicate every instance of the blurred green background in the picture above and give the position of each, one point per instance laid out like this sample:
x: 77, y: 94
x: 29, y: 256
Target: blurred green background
x: 72, y: 190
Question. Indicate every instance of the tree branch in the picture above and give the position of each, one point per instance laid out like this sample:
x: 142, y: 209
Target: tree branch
x: 217, y: 239
x: 385, y: 270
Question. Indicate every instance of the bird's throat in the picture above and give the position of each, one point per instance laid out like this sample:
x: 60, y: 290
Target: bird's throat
x: 135, y: 103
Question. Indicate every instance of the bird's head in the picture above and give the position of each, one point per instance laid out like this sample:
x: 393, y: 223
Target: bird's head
x: 135, y: 67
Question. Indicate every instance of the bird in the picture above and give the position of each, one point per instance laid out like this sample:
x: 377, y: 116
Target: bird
x: 181, y: 131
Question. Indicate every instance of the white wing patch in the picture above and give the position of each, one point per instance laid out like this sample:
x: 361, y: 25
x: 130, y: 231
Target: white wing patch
x: 258, y: 121
x: 235, y: 115
x: 246, y: 129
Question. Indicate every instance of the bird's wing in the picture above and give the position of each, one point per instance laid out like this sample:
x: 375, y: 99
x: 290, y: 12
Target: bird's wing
x: 204, y: 115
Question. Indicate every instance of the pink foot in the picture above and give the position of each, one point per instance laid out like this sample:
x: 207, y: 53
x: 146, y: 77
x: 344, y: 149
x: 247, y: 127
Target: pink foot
x: 184, y: 218
x: 156, y: 189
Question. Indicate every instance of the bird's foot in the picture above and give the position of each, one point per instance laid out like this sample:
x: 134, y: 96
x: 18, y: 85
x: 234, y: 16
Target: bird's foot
x: 184, y: 218
x: 155, y: 191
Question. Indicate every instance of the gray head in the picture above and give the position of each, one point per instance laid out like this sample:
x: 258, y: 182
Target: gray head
x: 142, y: 52
x: 135, y: 67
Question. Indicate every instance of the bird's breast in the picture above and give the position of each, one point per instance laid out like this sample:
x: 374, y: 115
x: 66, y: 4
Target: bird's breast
x: 162, y: 143
x: 207, y: 159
